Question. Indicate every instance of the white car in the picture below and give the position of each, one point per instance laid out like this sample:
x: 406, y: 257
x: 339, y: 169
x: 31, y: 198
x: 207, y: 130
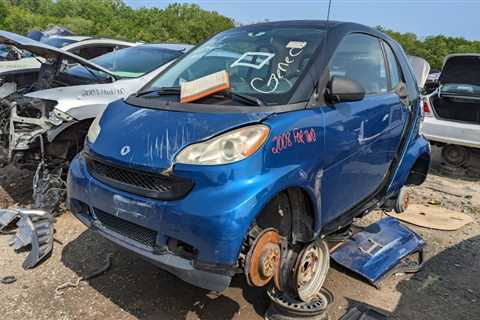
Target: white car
x: 48, y: 116
x: 452, y: 111
x: 13, y: 60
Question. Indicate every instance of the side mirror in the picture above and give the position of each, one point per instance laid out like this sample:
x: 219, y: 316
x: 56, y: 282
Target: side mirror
x: 343, y: 89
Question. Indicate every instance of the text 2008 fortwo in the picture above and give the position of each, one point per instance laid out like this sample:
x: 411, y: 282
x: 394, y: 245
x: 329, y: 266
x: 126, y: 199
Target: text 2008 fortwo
x: 301, y: 127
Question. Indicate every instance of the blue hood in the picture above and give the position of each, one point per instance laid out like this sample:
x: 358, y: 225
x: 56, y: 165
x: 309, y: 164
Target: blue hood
x: 153, y: 137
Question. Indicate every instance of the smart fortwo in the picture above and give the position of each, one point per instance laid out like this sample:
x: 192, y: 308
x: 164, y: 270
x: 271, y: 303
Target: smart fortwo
x: 250, y: 150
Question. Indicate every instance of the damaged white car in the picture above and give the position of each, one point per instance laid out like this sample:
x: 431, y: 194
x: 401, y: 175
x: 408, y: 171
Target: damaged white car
x: 47, y: 118
x: 16, y: 63
x: 452, y: 111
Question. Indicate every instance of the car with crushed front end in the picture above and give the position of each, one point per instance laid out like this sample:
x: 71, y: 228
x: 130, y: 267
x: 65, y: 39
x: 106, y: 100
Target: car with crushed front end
x: 452, y: 111
x: 251, y: 149
x: 48, y: 114
x: 19, y: 64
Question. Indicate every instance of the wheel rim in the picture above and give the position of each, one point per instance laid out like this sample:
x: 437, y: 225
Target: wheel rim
x: 455, y: 155
x: 311, y: 270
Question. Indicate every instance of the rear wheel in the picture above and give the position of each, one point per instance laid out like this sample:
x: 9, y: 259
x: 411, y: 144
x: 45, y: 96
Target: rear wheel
x: 401, y: 203
x: 455, y: 156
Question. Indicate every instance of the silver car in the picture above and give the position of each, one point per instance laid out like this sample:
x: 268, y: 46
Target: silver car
x: 452, y: 111
x: 48, y: 116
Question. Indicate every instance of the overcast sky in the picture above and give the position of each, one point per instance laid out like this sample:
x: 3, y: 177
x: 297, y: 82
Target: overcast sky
x: 423, y: 17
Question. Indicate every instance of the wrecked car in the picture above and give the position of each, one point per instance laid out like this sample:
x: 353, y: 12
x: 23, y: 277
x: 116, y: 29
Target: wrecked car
x: 452, y: 111
x: 251, y: 149
x: 48, y: 116
x: 17, y: 65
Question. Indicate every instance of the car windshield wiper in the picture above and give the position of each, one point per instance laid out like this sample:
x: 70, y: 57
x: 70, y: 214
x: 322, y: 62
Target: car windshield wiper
x: 227, y: 94
x: 160, y: 91
x: 242, y: 97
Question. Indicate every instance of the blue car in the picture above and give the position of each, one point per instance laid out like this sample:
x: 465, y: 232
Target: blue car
x: 318, y: 126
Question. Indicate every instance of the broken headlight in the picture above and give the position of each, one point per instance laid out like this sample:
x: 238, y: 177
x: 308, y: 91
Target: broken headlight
x: 229, y: 147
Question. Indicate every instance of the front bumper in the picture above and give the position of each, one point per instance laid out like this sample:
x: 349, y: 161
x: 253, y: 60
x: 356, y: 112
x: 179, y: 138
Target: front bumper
x: 451, y: 132
x: 215, y: 234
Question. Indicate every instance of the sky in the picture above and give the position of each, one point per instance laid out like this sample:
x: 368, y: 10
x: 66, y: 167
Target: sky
x: 460, y: 18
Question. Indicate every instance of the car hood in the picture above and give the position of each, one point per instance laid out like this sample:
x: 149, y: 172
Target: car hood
x: 44, y: 50
x: 150, y: 138
x: 461, y: 69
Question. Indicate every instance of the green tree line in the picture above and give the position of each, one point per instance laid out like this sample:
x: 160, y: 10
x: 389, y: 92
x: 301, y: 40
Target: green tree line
x: 180, y: 23
x: 434, y: 49
x: 184, y: 23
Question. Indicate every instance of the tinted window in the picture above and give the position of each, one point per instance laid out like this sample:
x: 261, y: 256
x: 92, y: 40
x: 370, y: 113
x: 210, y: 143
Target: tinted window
x: 360, y: 57
x: 395, y: 71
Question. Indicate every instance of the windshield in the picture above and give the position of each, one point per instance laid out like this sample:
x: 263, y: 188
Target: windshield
x: 135, y: 61
x: 456, y: 88
x: 127, y: 63
x: 57, y: 42
x: 262, y: 62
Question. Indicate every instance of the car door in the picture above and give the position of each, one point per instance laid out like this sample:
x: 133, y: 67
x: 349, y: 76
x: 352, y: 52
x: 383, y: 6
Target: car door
x: 360, y: 136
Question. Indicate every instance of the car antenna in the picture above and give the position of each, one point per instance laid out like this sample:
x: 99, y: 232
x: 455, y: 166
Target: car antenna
x: 329, y: 8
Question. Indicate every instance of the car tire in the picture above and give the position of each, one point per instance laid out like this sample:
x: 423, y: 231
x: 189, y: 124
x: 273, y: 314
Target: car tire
x: 455, y: 156
x: 401, y: 203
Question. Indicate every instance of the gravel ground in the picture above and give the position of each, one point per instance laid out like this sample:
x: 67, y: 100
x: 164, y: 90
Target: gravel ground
x: 448, y: 287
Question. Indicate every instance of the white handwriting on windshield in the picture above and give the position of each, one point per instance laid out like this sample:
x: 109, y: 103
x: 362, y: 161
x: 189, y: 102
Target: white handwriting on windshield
x: 271, y: 84
x: 251, y: 56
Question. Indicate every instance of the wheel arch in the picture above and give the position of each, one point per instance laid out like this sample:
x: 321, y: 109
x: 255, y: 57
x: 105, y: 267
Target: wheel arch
x: 419, y: 170
x: 300, y: 218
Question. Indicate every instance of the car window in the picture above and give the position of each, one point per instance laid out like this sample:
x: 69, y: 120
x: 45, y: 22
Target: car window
x: 93, y: 51
x: 261, y: 62
x: 360, y: 58
x: 136, y: 61
x: 395, y: 72
x: 72, y: 68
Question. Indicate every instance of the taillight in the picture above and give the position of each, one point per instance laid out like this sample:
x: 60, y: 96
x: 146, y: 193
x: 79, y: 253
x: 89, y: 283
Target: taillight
x: 426, y: 107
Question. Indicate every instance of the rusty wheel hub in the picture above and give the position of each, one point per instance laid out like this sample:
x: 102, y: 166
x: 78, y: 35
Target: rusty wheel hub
x: 263, y: 258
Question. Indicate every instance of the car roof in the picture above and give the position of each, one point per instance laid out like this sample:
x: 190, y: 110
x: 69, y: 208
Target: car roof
x: 74, y: 38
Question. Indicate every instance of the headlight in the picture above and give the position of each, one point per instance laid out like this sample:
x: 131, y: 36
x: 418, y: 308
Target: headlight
x: 94, y: 129
x: 229, y: 147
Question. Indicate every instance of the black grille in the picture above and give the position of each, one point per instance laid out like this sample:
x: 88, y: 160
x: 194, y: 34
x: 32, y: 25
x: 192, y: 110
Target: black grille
x: 139, y: 182
x: 125, y: 228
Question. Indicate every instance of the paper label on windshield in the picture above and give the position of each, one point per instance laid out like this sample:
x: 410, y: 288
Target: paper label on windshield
x: 205, y: 86
x: 296, y: 44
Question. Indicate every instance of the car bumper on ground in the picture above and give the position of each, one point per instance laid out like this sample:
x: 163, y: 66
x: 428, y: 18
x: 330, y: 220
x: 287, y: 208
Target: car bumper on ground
x: 451, y: 132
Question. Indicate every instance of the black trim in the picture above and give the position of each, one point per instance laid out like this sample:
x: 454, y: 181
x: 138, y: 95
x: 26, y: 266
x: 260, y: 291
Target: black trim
x: 210, y: 108
x: 177, y: 187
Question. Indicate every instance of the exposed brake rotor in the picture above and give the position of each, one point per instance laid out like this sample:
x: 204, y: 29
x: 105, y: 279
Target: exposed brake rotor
x: 263, y: 258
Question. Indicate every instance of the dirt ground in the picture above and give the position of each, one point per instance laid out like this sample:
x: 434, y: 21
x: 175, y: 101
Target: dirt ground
x: 448, y: 287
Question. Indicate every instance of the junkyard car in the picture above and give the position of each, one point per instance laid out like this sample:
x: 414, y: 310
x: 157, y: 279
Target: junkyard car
x: 320, y: 125
x: 452, y: 111
x: 48, y: 115
x: 17, y: 64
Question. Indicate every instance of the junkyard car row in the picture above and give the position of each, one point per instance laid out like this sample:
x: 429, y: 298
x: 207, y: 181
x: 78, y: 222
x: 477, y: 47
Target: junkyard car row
x: 241, y: 155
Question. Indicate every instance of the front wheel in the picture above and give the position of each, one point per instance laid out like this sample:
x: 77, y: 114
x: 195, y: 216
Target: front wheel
x: 311, y: 270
